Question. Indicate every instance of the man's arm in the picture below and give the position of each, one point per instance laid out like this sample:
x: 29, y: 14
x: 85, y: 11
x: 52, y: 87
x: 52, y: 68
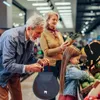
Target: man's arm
x: 9, y: 60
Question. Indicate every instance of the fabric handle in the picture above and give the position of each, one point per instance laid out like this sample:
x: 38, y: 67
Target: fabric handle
x: 48, y: 68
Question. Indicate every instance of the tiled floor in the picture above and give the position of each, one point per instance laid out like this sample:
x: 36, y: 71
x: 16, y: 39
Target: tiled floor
x: 27, y: 88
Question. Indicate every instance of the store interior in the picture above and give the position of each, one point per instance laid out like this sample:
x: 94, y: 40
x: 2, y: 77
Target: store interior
x: 80, y: 17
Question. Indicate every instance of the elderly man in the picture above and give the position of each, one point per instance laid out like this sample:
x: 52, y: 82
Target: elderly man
x: 16, y: 47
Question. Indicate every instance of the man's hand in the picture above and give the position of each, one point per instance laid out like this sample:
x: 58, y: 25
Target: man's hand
x: 43, y: 62
x: 33, y: 68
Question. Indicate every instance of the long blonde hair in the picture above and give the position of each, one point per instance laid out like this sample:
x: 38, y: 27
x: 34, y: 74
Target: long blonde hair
x: 69, y: 52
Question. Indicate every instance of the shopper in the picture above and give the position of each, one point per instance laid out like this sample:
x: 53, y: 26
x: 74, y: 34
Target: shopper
x: 16, y: 47
x: 52, y: 42
x: 71, y: 74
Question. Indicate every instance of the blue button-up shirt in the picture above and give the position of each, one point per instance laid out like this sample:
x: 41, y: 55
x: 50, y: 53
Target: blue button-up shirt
x: 15, y: 52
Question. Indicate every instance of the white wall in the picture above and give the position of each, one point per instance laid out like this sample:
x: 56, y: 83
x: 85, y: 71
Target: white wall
x: 5, y: 15
x: 9, y: 15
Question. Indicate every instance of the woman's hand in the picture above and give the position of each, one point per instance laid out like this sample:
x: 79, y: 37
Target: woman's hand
x: 64, y: 45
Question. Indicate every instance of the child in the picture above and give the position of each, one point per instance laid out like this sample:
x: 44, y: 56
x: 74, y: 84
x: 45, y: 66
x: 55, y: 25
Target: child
x: 70, y: 74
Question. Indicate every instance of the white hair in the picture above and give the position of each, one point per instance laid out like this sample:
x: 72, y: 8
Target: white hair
x: 35, y: 20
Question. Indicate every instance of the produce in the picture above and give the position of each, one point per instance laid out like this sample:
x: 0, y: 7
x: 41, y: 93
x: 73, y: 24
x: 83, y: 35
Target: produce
x: 91, y: 79
x: 97, y: 75
x: 98, y: 78
x: 85, y: 84
x: 97, y: 65
x: 91, y: 83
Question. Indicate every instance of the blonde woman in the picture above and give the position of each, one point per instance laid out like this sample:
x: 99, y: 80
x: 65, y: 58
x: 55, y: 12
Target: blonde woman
x: 52, y: 43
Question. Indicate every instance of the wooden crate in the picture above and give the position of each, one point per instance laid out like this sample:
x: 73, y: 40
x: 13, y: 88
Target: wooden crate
x: 87, y: 89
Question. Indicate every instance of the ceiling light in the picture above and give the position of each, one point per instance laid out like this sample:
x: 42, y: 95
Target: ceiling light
x: 20, y: 14
x: 64, y: 10
x: 92, y: 19
x: 98, y: 13
x: 63, y: 3
x: 86, y: 23
x: 92, y: 7
x: 83, y: 34
x: 67, y: 16
x: 6, y: 3
x: 43, y: 8
x: 62, y: 14
x: 87, y: 27
x: 40, y: 4
x: 89, y: 14
x: 91, y: 11
x: 45, y: 11
x: 35, y: 0
x: 84, y: 29
x: 68, y: 7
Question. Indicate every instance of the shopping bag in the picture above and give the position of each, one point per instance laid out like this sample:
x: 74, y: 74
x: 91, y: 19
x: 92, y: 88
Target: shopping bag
x: 45, y: 86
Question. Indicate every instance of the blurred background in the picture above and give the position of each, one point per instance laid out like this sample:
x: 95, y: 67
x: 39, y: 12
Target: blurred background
x: 75, y: 16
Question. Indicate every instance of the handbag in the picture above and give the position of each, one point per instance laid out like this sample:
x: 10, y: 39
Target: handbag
x: 45, y: 85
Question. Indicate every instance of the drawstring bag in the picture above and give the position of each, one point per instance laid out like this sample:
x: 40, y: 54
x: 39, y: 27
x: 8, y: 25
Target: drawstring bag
x: 45, y: 86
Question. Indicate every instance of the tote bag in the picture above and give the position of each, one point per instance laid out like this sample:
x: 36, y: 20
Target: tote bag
x: 45, y: 85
